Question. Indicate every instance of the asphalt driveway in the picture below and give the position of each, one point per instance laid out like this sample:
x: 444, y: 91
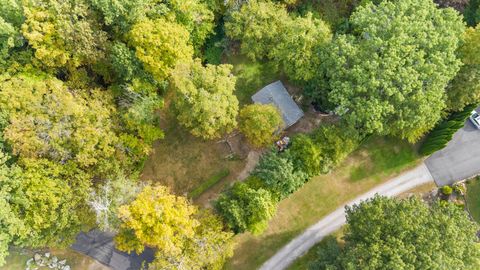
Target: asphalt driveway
x: 459, y: 160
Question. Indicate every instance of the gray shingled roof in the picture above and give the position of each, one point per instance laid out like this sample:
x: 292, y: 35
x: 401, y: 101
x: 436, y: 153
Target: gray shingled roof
x: 99, y: 245
x: 275, y: 93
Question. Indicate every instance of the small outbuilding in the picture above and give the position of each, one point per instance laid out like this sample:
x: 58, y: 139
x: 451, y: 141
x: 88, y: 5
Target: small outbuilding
x: 276, y: 93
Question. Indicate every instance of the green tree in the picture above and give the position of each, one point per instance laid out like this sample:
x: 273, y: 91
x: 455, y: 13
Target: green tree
x: 389, y: 76
x: 120, y: 14
x: 259, y: 123
x: 335, y: 142
x: 299, y: 56
x: 279, y: 174
x: 472, y: 12
x: 11, y: 226
x: 387, y: 233
x: 470, y: 49
x: 246, y: 209
x: 8, y: 36
x: 464, y: 89
x: 259, y: 25
x: 160, y: 45
x: 203, y: 99
x: 306, y: 155
x: 63, y: 33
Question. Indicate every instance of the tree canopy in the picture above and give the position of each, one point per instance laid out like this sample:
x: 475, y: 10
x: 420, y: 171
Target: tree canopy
x: 204, y: 100
x: 182, y: 235
x: 386, y: 233
x: 388, y: 76
x: 259, y: 123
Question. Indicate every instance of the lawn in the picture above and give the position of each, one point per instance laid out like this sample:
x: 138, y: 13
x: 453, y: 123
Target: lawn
x: 186, y: 163
x: 473, y: 198
x: 322, y: 195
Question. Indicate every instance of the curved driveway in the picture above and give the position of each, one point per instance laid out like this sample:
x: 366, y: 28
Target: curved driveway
x: 329, y: 224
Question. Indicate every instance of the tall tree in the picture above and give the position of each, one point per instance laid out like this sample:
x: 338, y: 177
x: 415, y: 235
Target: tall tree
x: 183, y: 237
x: 203, y: 99
x: 160, y: 45
x: 389, y: 76
x: 464, y: 89
x: 62, y: 126
x: 259, y: 26
x: 387, y: 233
x: 298, y: 51
x: 63, y: 33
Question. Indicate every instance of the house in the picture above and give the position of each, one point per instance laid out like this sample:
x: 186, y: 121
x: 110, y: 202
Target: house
x: 100, y: 246
x: 276, y: 94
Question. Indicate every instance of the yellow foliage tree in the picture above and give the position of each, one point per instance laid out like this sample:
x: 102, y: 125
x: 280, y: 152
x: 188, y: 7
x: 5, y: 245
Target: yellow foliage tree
x: 184, y: 237
x: 259, y: 122
x: 160, y: 45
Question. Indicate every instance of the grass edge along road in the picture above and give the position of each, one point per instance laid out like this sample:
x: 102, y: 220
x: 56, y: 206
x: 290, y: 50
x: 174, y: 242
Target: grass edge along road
x: 381, y: 158
x: 303, y: 262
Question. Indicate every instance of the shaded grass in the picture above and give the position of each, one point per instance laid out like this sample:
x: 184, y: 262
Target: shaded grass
x: 385, y: 156
x: 473, y: 198
x: 304, y: 262
x: 251, y: 76
x: 315, y: 199
x: 209, y: 183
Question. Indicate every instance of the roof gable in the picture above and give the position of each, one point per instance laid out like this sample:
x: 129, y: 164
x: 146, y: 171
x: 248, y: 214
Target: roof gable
x: 276, y: 93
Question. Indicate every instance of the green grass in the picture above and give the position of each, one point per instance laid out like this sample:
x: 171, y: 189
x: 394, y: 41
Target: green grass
x: 209, y: 183
x: 317, y: 198
x: 251, y: 76
x: 473, y: 198
x: 386, y: 156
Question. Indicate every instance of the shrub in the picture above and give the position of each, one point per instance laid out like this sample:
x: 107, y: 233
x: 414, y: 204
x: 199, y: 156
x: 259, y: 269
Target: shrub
x: 306, y: 155
x: 444, y: 131
x: 246, y: 209
x: 209, y: 183
x: 279, y: 174
x: 336, y: 142
x: 447, y: 190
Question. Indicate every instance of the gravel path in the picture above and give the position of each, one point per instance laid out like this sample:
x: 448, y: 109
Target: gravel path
x: 335, y: 220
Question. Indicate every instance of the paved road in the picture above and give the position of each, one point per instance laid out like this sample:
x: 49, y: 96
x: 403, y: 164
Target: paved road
x: 331, y: 223
x: 459, y: 160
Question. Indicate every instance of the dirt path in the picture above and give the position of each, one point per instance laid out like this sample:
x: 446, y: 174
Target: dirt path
x: 335, y: 220
x: 252, y: 160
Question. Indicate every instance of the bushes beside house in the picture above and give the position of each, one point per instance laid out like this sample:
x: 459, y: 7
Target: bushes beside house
x: 443, y: 132
x: 248, y: 206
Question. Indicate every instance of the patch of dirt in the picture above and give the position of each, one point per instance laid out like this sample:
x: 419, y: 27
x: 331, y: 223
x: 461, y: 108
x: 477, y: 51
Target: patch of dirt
x: 310, y: 121
x: 252, y: 160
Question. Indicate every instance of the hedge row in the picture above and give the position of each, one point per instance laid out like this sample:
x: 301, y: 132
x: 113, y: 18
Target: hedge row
x: 249, y: 205
x: 443, y: 132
